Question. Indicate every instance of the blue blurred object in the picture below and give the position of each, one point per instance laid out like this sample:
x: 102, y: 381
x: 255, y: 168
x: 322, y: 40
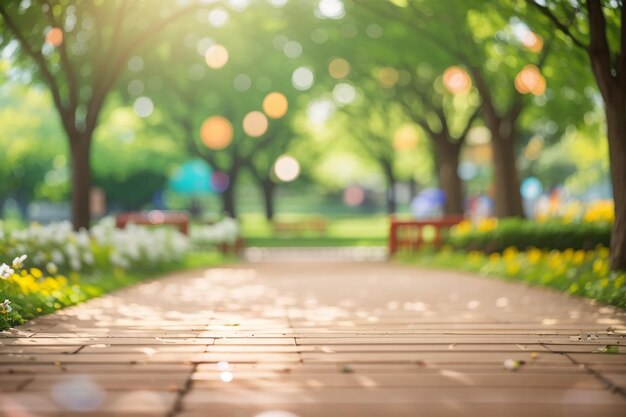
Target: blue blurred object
x: 428, y: 203
x: 192, y: 178
x: 531, y: 188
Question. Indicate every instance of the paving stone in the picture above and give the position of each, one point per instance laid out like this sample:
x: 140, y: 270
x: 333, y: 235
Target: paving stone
x: 320, y: 339
x: 200, y: 398
x: 410, y: 410
x: 443, y: 378
x: 61, y: 402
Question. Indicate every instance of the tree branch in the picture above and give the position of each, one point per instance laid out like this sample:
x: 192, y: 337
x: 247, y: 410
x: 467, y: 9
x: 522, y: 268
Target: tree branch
x: 70, y: 75
x: 43, y: 69
x: 560, y: 25
x: 99, y: 94
x: 461, y: 138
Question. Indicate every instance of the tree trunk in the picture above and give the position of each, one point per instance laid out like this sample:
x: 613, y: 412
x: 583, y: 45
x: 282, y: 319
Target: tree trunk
x: 616, y: 132
x: 391, y: 189
x: 448, y: 155
x: 228, y: 201
x: 81, y: 182
x: 268, y: 198
x: 508, y: 201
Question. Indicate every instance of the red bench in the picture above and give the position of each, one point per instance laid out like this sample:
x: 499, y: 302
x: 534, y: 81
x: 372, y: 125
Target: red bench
x: 409, y: 234
x: 154, y: 218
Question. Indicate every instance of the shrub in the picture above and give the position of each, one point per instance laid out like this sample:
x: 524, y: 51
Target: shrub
x: 524, y: 234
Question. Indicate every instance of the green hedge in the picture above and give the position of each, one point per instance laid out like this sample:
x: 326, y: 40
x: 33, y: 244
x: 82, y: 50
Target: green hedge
x: 524, y: 234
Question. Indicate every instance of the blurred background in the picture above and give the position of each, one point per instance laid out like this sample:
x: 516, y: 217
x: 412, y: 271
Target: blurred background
x: 309, y: 121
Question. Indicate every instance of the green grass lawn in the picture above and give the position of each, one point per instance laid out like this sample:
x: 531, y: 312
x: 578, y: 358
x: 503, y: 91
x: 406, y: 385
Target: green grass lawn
x: 355, y: 230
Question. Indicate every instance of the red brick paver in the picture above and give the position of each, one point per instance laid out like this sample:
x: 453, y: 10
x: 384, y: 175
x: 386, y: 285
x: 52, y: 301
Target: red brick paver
x: 319, y: 339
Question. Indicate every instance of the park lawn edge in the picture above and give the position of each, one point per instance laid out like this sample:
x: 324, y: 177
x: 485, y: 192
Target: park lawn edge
x: 92, y: 286
x: 435, y: 260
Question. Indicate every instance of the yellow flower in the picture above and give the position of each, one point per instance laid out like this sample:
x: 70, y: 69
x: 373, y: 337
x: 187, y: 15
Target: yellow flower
x: 602, y: 211
x: 494, y: 257
x: 487, y: 225
x: 534, y: 256
x: 555, y: 260
x: 36, y: 272
x: 579, y: 257
x: 568, y: 254
x: 462, y: 228
x: 510, y: 253
x: 512, y: 268
x: 600, y: 267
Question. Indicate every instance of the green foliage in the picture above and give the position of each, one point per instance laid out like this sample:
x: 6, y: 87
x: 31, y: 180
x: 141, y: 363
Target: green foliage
x: 581, y: 273
x: 524, y: 234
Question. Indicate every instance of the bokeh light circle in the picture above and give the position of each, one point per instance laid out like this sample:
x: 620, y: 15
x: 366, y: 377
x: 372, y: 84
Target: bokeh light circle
x: 405, y: 138
x: 532, y: 41
x: 530, y: 81
x: 302, y: 78
x: 344, y: 93
x: 219, y: 181
x: 143, y: 107
x: 339, y: 68
x: 287, y: 168
x: 275, y: 105
x: 216, y: 56
x: 531, y: 188
x: 255, y: 124
x: 388, y: 77
x: 216, y: 132
x: 54, y: 37
x: 353, y: 196
x: 331, y: 9
x: 457, y: 80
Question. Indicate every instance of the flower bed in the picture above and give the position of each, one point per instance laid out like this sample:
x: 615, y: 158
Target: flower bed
x: 65, y: 267
x: 578, y: 272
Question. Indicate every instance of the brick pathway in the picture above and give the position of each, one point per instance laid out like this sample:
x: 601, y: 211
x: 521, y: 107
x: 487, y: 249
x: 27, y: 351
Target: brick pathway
x: 319, y: 339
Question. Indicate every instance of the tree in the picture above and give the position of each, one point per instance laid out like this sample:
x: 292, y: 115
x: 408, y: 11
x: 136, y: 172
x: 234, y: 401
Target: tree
x: 599, y: 30
x: 232, y: 91
x: 78, y: 51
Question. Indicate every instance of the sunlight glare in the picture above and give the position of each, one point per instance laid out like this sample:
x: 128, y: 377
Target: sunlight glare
x: 216, y: 132
x: 530, y: 81
x: 275, y: 105
x: 54, y: 37
x: 287, y: 168
x: 143, y: 107
x: 216, y: 56
x: 456, y: 80
x: 405, y: 138
x: 302, y: 78
x: 388, y: 77
x: 331, y: 9
x: 255, y: 124
x: 344, y: 93
x: 339, y: 68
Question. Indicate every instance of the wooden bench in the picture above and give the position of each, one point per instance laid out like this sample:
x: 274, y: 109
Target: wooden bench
x: 154, y: 218
x: 409, y: 234
x: 317, y: 225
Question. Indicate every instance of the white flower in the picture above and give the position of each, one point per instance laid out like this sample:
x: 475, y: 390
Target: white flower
x: 18, y: 262
x: 6, y: 271
x: 5, y: 307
